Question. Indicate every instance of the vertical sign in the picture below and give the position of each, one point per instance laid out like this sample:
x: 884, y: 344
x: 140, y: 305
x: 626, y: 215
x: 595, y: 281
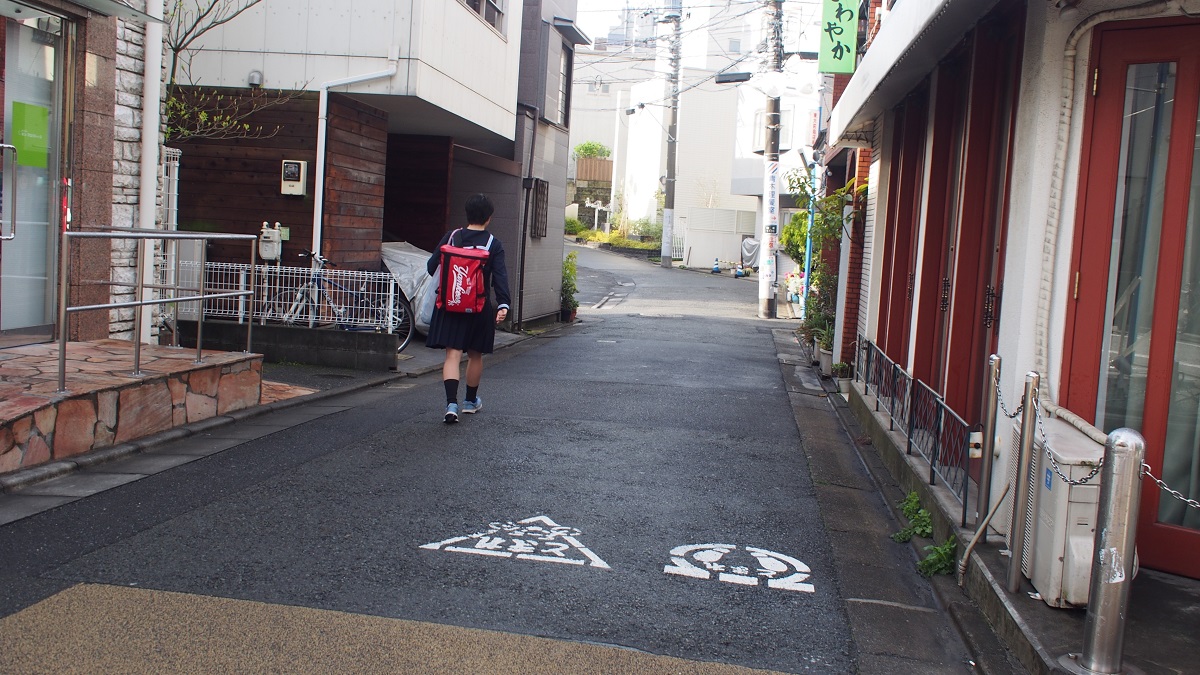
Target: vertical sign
x: 31, y: 134
x: 839, y: 36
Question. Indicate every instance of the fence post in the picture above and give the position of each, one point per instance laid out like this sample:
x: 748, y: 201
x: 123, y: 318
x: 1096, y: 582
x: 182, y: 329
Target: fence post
x: 939, y: 414
x: 64, y: 269
x: 139, y: 289
x: 1112, y: 559
x: 1016, y: 546
x: 892, y: 398
x: 200, y: 303
x: 990, y: 408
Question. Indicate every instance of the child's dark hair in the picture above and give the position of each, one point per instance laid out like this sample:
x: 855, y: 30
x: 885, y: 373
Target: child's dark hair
x: 479, y: 209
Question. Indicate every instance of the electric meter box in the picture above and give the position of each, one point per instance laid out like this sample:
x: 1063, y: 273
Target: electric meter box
x: 294, y: 179
x: 270, y: 242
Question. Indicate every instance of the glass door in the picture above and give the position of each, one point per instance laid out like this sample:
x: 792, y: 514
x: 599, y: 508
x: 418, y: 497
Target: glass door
x: 30, y: 59
x: 1139, y: 273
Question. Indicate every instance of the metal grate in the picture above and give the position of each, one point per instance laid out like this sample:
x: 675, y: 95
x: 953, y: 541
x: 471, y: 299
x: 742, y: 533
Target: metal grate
x: 541, y: 207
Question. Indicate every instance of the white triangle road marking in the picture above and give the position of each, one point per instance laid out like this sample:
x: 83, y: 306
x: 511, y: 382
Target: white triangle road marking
x: 537, y: 538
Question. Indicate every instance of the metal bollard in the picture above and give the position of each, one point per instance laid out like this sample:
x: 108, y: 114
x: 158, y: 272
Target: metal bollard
x: 1112, y: 561
x: 1016, y: 545
x: 989, y: 441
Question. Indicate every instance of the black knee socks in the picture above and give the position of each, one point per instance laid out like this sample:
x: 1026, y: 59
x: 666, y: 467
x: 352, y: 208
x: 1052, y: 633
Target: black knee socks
x: 451, y: 390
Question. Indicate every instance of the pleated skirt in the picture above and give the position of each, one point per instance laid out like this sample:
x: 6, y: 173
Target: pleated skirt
x: 468, y: 332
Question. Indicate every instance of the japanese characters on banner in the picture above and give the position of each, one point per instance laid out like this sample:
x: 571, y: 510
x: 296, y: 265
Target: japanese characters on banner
x: 770, y: 229
x: 839, y: 37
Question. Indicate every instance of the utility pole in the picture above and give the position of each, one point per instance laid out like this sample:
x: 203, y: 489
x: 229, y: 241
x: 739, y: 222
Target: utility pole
x: 769, y: 235
x: 667, y: 252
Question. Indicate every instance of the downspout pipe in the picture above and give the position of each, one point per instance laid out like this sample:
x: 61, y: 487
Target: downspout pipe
x: 151, y: 135
x: 1054, y: 225
x: 532, y: 113
x: 323, y: 134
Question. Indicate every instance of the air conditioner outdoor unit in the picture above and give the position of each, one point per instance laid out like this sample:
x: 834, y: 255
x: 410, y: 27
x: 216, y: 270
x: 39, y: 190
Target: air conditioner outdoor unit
x: 1061, y: 519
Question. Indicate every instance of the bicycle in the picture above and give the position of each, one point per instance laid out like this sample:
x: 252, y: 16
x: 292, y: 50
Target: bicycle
x: 360, y: 311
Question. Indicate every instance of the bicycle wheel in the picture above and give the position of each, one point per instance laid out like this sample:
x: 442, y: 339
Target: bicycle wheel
x: 400, y: 319
x: 291, y: 307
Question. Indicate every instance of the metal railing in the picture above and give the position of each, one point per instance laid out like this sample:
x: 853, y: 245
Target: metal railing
x: 198, y: 293
x: 942, y: 437
x: 931, y: 428
x: 276, y: 287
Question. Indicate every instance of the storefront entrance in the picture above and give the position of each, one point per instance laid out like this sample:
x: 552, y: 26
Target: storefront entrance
x: 31, y: 56
x: 1133, y: 351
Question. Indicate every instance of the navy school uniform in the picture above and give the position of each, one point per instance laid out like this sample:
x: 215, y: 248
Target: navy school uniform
x: 471, y: 332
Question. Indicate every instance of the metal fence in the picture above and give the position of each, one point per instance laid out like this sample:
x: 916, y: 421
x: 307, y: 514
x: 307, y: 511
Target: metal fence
x: 347, y: 298
x: 931, y: 428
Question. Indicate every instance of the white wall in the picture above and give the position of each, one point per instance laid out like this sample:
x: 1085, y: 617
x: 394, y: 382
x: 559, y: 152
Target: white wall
x: 449, y: 55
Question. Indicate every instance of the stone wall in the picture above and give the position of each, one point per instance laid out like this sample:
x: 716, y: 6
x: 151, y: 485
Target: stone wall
x: 127, y: 155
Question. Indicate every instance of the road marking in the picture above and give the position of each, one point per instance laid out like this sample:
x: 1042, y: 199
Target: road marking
x: 700, y: 561
x: 537, y: 538
x: 889, y: 603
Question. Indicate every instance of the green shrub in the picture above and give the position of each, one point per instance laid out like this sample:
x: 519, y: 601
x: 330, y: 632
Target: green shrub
x: 592, y: 149
x: 920, y: 524
x: 570, y: 272
x: 573, y: 226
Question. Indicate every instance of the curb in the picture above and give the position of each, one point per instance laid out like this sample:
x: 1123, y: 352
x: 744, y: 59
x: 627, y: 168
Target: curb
x: 55, y: 469
x: 989, y: 654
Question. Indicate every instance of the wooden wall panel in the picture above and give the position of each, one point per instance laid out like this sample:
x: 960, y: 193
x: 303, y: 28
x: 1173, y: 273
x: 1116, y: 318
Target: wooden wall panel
x: 233, y: 185
x: 356, y: 148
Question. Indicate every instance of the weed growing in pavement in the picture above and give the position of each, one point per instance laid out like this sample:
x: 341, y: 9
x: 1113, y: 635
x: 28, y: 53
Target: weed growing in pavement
x: 919, y: 522
x: 940, y: 559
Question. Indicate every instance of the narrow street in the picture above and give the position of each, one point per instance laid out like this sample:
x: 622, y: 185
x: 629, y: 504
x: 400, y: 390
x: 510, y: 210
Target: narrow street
x: 643, y: 479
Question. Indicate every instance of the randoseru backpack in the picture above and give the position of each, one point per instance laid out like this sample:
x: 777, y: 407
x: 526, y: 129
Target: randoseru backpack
x: 460, y: 283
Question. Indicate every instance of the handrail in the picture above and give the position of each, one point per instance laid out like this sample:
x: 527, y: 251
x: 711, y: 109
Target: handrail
x: 142, y: 235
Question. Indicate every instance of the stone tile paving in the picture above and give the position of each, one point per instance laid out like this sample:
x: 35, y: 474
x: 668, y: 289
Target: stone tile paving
x: 105, y: 403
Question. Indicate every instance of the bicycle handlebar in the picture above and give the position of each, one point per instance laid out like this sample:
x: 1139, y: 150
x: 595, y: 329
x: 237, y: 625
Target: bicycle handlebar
x: 321, y: 260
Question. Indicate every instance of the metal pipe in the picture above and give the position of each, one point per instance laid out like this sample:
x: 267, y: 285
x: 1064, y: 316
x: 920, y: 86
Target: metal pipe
x: 200, y: 305
x: 1112, y: 559
x: 137, y: 309
x: 253, y: 285
x: 962, y: 564
x: 63, y: 281
x: 990, y: 408
x: 1016, y: 544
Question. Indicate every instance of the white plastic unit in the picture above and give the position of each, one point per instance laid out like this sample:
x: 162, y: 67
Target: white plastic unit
x: 294, y: 177
x: 1061, y: 522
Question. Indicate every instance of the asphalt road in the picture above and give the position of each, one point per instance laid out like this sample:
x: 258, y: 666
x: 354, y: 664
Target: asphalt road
x: 636, y: 480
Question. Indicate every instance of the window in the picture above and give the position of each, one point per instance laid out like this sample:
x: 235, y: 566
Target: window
x: 492, y: 11
x: 735, y: 46
x: 564, y: 86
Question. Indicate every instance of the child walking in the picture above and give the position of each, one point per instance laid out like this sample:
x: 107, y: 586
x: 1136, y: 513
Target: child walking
x: 474, y: 332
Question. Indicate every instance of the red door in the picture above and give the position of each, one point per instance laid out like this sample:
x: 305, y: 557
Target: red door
x: 1133, y: 341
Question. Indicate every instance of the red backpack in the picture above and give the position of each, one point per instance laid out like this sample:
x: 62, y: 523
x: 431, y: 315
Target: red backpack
x: 460, y: 281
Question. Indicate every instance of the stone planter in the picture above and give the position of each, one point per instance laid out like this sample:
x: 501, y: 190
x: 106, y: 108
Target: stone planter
x: 844, y: 385
x: 826, y: 359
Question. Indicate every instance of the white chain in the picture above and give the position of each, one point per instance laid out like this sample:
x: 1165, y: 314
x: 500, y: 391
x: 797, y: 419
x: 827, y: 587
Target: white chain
x: 1167, y: 489
x: 1004, y: 408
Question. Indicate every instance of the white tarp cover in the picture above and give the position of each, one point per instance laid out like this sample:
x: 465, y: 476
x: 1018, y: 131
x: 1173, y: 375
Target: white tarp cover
x: 407, y: 264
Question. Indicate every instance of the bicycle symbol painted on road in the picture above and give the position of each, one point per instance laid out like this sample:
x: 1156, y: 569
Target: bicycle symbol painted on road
x: 745, y: 566
x: 537, y: 538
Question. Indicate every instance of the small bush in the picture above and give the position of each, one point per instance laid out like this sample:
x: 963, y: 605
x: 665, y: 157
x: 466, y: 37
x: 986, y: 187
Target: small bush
x: 920, y: 524
x: 573, y: 226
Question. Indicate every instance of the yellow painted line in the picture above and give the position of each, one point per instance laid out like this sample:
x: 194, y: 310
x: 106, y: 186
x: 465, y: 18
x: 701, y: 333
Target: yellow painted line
x: 114, y: 629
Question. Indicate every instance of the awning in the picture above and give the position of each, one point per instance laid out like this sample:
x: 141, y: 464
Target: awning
x: 570, y: 31
x: 114, y: 8
x: 915, y: 35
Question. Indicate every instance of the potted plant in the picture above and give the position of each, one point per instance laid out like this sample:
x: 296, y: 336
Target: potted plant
x: 568, y: 304
x: 825, y: 349
x: 842, y: 372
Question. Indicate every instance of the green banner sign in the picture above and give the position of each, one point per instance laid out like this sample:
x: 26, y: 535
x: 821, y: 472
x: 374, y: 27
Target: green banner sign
x: 31, y: 134
x: 839, y: 37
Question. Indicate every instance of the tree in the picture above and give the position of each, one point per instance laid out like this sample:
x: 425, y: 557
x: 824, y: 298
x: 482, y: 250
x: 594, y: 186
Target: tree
x: 193, y: 112
x: 592, y: 149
